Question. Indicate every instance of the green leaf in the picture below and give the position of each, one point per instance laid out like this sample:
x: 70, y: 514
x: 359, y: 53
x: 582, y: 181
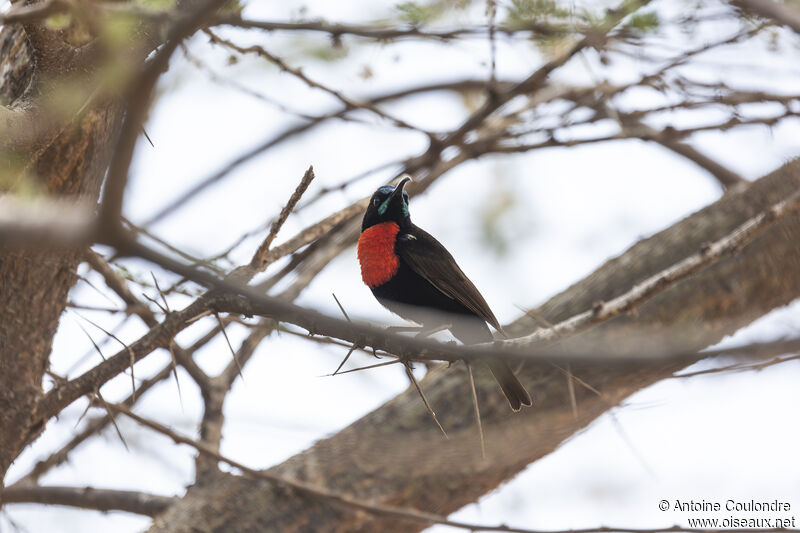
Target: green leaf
x: 644, y: 22
x: 415, y: 14
x: 59, y: 21
x: 522, y: 12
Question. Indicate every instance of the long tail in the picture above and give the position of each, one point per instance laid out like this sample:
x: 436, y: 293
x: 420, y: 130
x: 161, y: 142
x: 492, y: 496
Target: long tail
x: 472, y: 330
x: 512, y: 389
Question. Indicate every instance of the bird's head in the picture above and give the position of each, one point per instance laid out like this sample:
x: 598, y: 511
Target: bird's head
x: 388, y: 204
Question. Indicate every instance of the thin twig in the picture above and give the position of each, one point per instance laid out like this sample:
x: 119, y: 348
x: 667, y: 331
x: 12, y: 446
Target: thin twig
x: 348, y: 103
x: 259, y: 258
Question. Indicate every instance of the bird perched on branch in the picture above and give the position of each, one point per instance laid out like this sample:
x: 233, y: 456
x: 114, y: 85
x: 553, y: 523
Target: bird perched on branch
x: 413, y: 275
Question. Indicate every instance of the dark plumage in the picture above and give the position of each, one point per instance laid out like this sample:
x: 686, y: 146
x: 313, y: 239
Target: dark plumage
x: 413, y: 275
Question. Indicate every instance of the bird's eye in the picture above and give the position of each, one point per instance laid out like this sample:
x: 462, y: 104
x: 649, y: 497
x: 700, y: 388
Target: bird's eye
x: 376, y: 201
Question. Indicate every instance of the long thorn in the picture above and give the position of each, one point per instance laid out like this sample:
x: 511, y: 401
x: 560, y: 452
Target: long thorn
x: 175, y: 372
x: 130, y: 352
x: 424, y: 399
x: 346, y: 357
x: 112, y: 419
x: 83, y: 414
x: 477, y: 409
x: 635, y: 451
x: 146, y: 136
x: 132, y: 360
x: 230, y: 346
x: 376, y: 365
x: 571, y: 390
x: 340, y: 306
x: 579, y: 381
x: 163, y: 296
x: 96, y: 347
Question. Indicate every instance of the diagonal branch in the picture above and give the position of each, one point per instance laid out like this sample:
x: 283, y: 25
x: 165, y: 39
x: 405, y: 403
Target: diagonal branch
x: 725, y: 176
x: 708, y: 254
x: 258, y: 261
x: 781, y: 13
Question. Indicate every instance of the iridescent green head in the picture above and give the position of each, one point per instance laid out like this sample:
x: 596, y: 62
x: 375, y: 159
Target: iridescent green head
x: 388, y: 204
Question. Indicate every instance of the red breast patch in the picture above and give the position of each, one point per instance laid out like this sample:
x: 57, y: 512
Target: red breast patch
x: 376, y: 253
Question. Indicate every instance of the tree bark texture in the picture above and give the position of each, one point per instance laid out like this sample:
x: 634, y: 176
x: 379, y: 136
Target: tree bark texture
x: 68, y: 161
x: 395, y: 455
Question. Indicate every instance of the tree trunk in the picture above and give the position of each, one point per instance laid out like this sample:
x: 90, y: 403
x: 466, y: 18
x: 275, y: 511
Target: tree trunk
x: 395, y: 455
x: 68, y: 161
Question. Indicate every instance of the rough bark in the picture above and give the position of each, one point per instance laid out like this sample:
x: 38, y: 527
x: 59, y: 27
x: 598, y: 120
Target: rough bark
x: 395, y: 455
x: 67, y: 161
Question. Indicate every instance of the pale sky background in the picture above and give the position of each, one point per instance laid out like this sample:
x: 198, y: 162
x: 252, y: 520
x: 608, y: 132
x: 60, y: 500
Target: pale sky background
x: 711, y: 438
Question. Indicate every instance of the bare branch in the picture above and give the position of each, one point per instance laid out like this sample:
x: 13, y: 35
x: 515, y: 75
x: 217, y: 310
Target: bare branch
x: 349, y: 104
x: 259, y: 258
x: 708, y: 254
x: 723, y: 174
x: 90, y: 498
x: 781, y: 13
x: 378, y: 33
x: 431, y: 156
x: 417, y: 349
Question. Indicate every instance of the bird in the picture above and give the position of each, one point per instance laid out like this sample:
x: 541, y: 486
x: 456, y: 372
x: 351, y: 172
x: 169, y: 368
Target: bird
x: 414, y: 276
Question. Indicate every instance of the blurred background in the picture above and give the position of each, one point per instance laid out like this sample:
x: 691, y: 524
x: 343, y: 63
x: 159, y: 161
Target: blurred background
x: 523, y: 226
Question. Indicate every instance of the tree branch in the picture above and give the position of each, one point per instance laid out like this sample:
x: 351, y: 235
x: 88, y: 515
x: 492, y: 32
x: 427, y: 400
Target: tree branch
x: 89, y: 498
x: 709, y: 253
x: 779, y: 12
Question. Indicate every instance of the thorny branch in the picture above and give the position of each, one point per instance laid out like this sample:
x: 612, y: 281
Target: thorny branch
x: 525, y: 348
x: 708, y: 254
x: 494, y: 127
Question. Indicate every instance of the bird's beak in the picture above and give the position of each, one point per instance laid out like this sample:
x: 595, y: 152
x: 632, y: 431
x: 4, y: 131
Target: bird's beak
x: 398, y: 190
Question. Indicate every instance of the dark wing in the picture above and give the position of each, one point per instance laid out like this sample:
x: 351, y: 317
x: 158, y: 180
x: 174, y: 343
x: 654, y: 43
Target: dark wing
x: 427, y: 257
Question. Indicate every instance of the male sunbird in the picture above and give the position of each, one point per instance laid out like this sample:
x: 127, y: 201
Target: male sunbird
x: 413, y: 275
